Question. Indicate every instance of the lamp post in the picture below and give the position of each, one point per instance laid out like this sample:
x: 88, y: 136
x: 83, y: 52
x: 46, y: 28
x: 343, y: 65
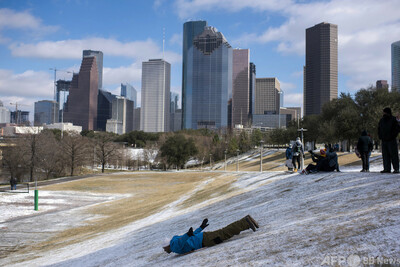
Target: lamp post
x: 261, y: 152
x: 225, y: 160
x: 237, y: 160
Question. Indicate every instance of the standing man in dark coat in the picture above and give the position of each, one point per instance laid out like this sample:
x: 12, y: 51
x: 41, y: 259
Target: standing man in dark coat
x: 388, y: 129
x: 13, y: 183
x: 364, y: 146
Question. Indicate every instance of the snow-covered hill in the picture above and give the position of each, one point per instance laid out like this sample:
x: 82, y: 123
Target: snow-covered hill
x: 330, y: 219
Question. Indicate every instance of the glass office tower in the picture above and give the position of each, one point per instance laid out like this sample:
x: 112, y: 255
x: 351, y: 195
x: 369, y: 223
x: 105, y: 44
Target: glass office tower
x: 190, y: 30
x: 129, y: 92
x: 396, y: 66
x: 208, y: 81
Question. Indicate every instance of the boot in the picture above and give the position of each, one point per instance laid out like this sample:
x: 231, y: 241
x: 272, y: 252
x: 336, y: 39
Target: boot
x: 253, y: 221
x: 252, y: 226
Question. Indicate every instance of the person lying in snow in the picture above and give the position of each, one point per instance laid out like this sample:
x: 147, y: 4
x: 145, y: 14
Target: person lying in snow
x: 191, y: 241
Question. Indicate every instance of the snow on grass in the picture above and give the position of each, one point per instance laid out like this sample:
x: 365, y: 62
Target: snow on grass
x: 305, y: 220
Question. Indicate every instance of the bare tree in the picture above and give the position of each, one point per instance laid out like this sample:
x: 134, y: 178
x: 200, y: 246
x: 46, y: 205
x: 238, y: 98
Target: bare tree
x: 49, y: 154
x: 106, y: 149
x: 15, y: 158
x: 75, y: 148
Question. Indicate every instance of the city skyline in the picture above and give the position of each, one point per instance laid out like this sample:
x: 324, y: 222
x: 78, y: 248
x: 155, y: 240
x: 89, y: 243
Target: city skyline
x: 36, y: 37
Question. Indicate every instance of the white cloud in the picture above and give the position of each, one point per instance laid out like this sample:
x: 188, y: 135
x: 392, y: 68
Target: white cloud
x: 176, y: 39
x: 293, y: 100
x: 72, y: 49
x: 25, y: 88
x: 188, y: 8
x: 22, y: 20
x: 132, y: 73
x: 287, y: 87
x: 27, y: 84
x: 10, y: 19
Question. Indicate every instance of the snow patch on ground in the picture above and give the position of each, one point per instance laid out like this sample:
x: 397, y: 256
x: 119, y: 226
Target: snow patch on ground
x: 304, y: 220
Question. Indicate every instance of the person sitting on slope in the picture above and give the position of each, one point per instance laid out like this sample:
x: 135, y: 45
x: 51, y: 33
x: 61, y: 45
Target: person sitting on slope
x: 192, y: 240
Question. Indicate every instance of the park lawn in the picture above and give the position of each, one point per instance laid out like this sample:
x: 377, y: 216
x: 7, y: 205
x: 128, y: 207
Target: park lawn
x: 146, y: 193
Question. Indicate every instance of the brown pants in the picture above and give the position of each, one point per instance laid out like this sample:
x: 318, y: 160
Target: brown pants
x: 212, y: 238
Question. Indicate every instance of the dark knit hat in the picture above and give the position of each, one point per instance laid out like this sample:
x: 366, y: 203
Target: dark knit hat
x: 388, y: 111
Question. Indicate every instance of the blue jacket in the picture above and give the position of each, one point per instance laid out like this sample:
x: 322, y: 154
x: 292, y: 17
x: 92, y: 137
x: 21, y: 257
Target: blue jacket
x: 289, y: 153
x: 182, y: 244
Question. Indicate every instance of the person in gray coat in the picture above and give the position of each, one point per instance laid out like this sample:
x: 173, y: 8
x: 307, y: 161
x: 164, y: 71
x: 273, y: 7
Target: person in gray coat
x: 364, y: 146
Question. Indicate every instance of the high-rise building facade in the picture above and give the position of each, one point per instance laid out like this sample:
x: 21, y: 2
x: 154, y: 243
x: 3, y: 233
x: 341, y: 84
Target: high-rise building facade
x: 190, y: 30
x: 104, y: 109
x: 46, y: 112
x: 4, y: 114
x: 122, y: 116
x: 175, y: 120
x: 321, y: 69
x: 252, y: 87
x: 99, y: 62
x: 155, y: 103
x: 241, y: 95
x: 20, y: 117
x: 136, y: 119
x: 267, y: 96
x: 81, y: 108
x: 129, y: 92
x: 208, y: 90
x: 382, y: 84
x: 396, y: 66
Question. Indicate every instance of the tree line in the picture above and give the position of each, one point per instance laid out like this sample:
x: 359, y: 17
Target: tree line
x: 50, y: 154
x: 343, y: 118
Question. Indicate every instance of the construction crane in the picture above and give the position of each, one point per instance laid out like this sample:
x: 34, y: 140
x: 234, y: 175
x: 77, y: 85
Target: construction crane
x: 55, y: 80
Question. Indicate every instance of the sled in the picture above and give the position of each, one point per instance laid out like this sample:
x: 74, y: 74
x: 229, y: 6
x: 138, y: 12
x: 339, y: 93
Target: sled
x: 289, y: 164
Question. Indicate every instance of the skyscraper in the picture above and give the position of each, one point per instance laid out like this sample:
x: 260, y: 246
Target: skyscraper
x: 267, y: 96
x: 129, y: 92
x: 46, y: 112
x: 241, y: 96
x: 81, y: 108
x: 208, y: 81
x: 104, y: 109
x: 396, y: 66
x: 175, y: 121
x: 4, y: 114
x: 155, y: 106
x: 99, y: 61
x: 122, y: 116
x: 321, y: 69
x: 252, y: 87
x: 190, y: 30
x: 382, y: 84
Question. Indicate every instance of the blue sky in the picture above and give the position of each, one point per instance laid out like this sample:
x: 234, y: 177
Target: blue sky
x: 38, y: 35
